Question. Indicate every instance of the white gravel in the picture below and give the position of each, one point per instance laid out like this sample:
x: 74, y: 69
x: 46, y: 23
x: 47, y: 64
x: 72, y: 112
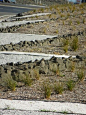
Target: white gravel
x: 7, y: 38
x: 13, y: 56
x: 41, y: 105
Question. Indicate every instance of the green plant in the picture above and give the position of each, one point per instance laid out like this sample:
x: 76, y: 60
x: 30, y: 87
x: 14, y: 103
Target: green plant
x: 62, y: 15
x: 34, y: 10
x: 70, y: 84
x: 65, y: 42
x: 47, y: 90
x: 82, y: 12
x: 75, y: 44
x: 43, y: 29
x: 64, y: 112
x: 44, y: 110
x: 27, y: 80
x: 36, y: 16
x: 58, y: 88
x: 8, y: 82
x: 78, y: 22
x: 72, y: 66
x: 63, y: 22
x: 80, y: 75
x: 50, y: 15
x: 56, y: 31
x: 83, y: 21
x: 42, y: 10
x: 11, y: 84
x: 65, y: 48
x: 36, y: 74
x: 70, y: 22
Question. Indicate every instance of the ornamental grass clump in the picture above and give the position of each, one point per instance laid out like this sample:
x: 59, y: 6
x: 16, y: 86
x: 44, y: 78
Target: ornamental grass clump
x: 70, y: 84
x: 58, y: 88
x: 75, y: 44
x: 27, y: 80
x: 65, y: 48
x: 65, y: 43
x: 36, y: 74
x: 80, y: 75
x: 8, y: 83
x: 47, y: 90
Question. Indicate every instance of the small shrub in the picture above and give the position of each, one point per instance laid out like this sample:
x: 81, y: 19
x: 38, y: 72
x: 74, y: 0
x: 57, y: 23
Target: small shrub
x: 65, y: 48
x: 62, y: 15
x: 78, y: 22
x: 58, y: 88
x: 65, y: 42
x: 43, y: 30
x: 27, y: 80
x: 70, y: 22
x: 56, y: 31
x: 8, y: 83
x: 68, y: 14
x: 72, y: 66
x: 36, y: 74
x: 63, y: 22
x: 82, y: 12
x: 11, y: 84
x: 42, y: 10
x: 75, y: 44
x: 50, y: 15
x: 83, y: 21
x: 47, y: 90
x: 70, y: 84
x: 80, y: 75
x: 34, y: 10
x: 36, y: 16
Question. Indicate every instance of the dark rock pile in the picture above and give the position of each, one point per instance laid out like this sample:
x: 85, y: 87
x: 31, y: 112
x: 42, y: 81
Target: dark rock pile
x: 48, y: 67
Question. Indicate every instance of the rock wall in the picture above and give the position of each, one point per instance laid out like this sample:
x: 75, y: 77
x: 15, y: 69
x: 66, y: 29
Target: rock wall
x: 48, y: 67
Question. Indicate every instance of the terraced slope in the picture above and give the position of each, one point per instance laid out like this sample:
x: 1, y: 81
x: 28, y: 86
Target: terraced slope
x: 58, y: 79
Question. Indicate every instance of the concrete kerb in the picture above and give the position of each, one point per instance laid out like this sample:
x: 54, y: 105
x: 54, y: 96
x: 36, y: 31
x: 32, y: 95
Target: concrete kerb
x: 17, y: 23
x: 42, y: 105
x: 7, y: 38
x: 33, y: 15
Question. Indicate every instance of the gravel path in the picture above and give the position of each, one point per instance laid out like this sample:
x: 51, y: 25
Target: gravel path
x: 17, y: 23
x: 43, y: 106
x: 8, y: 56
x: 7, y: 38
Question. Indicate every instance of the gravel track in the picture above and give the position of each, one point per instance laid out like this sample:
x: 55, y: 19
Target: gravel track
x: 7, y: 38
